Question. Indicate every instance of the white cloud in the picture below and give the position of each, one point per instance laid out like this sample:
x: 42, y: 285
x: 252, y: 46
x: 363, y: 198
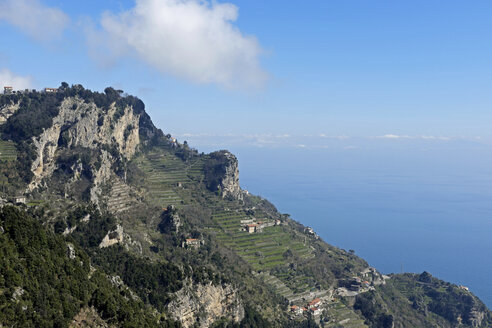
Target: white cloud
x: 435, y: 138
x: 191, y: 39
x: 7, y: 78
x: 422, y: 137
x: 393, y: 136
x: 33, y: 18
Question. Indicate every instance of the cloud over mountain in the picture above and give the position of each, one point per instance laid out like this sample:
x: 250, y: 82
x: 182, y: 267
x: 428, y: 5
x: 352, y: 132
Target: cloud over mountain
x: 191, y: 39
x: 33, y: 18
x: 7, y: 78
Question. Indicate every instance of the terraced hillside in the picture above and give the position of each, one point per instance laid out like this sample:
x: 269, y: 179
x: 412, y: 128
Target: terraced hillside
x: 342, y: 316
x: 119, y: 199
x: 272, y: 246
x: 163, y: 174
x: 262, y: 250
x: 171, y: 181
x: 7, y: 151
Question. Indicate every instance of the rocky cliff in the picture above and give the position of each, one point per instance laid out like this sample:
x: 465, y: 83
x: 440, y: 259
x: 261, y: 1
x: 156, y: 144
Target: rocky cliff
x: 7, y: 110
x: 222, y: 175
x: 201, y: 305
x: 85, y: 125
x: 230, y: 180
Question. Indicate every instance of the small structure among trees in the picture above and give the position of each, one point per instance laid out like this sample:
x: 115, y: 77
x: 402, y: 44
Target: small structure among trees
x: 19, y: 199
x: 192, y: 243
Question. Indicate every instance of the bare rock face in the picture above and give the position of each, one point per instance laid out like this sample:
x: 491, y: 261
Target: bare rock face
x: 170, y: 220
x: 7, y: 111
x: 86, y: 125
x: 230, y: 183
x: 88, y: 318
x: 222, y: 174
x: 476, y: 317
x: 203, y: 304
x: 112, y: 237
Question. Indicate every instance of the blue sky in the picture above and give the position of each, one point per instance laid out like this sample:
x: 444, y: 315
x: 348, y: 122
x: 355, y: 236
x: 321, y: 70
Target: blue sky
x: 408, y: 69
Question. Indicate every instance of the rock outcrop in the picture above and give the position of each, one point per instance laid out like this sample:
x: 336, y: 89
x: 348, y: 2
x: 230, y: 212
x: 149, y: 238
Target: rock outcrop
x: 222, y: 175
x: 476, y: 317
x: 81, y: 124
x: 88, y: 318
x: 7, y: 111
x: 200, y: 305
x: 230, y: 182
x: 170, y: 220
x: 112, y: 237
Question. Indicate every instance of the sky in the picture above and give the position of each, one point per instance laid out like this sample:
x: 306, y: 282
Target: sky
x: 275, y: 70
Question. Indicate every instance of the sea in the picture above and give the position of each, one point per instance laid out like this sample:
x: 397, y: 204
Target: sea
x: 410, y: 205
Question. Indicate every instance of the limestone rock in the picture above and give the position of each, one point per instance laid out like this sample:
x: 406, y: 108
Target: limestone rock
x: 230, y: 182
x: 112, y: 237
x: 7, y: 111
x: 222, y: 174
x: 18, y: 292
x: 170, y: 220
x: 71, y: 251
x: 85, y: 125
x: 88, y: 318
x: 208, y: 302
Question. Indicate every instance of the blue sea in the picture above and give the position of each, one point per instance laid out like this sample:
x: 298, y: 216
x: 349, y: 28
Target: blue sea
x: 408, y: 205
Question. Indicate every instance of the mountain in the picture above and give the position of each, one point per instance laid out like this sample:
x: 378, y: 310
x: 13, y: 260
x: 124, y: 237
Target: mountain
x: 109, y: 222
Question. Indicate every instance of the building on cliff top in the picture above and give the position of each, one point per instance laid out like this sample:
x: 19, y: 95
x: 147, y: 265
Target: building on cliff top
x: 50, y: 90
x: 7, y: 90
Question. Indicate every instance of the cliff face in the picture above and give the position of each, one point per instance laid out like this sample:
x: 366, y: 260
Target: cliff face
x: 85, y: 125
x: 8, y: 110
x: 202, y: 305
x: 230, y: 181
x: 222, y: 175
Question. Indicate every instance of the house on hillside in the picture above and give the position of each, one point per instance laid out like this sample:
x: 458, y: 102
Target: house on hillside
x: 50, y: 90
x: 192, y: 243
x: 297, y: 310
x: 7, y: 90
x: 315, y: 303
x: 315, y: 311
x: 251, y: 228
x: 20, y: 200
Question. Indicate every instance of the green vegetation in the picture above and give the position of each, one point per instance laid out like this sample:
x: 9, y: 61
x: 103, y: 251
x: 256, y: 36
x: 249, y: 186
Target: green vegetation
x: 45, y: 282
x: 413, y: 300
